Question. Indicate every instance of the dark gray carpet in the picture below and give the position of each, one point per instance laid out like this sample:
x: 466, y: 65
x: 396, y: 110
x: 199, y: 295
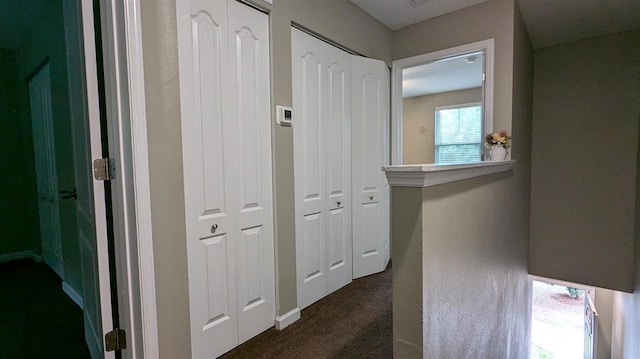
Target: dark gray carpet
x: 354, y: 322
x: 37, y: 319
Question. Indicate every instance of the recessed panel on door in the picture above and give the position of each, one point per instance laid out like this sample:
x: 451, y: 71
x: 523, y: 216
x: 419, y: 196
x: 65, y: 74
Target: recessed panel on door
x: 215, y: 250
x: 312, y: 260
x: 336, y: 247
x: 311, y: 135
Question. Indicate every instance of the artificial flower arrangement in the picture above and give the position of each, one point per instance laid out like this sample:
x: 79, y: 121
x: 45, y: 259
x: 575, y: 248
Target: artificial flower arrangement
x: 497, y: 139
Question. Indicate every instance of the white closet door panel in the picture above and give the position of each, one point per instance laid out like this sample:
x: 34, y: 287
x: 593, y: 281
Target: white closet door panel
x: 322, y: 160
x: 337, y: 124
x: 370, y: 117
x: 47, y: 179
x: 308, y: 93
x: 249, y: 54
x: 208, y: 134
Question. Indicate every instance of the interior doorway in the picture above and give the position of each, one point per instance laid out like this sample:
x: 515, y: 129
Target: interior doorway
x: 53, y: 217
x: 564, y: 320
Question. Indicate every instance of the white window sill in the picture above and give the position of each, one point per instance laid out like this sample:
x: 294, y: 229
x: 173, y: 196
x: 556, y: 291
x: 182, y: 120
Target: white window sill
x: 426, y: 175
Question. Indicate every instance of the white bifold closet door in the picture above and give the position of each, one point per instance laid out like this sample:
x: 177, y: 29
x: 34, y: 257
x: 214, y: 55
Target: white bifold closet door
x: 341, y: 143
x: 322, y: 166
x: 226, y: 137
x: 370, y: 148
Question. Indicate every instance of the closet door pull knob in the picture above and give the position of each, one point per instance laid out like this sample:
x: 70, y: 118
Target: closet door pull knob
x: 214, y: 228
x: 338, y: 203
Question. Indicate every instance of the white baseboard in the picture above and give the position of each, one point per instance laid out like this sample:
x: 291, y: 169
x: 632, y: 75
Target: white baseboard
x: 287, y: 319
x: 75, y: 296
x: 20, y: 255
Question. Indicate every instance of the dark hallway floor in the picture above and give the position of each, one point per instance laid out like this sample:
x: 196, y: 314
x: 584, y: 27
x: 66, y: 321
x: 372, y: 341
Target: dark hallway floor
x: 37, y: 319
x: 354, y: 322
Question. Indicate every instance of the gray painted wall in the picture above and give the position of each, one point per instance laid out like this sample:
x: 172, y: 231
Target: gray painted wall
x: 339, y: 20
x: 491, y: 19
x: 406, y: 253
x: 626, y: 307
x: 418, y: 122
x: 585, y: 143
x: 475, y: 275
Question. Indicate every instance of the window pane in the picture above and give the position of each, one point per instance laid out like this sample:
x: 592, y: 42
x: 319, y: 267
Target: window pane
x: 448, y: 154
x: 458, y: 135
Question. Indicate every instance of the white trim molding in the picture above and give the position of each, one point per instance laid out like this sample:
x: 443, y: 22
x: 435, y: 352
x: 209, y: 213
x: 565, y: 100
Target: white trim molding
x: 288, y: 318
x: 427, y: 175
x: 140, y: 157
x: 73, y: 294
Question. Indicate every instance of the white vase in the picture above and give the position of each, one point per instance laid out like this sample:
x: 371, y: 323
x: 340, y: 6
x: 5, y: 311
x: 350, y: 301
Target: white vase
x: 498, y: 153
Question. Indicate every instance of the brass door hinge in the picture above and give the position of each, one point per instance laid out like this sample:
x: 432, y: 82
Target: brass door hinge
x: 115, y: 340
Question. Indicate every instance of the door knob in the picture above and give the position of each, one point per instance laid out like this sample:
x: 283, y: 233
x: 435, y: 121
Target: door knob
x: 338, y: 203
x: 69, y: 194
x: 371, y: 198
x: 214, y: 228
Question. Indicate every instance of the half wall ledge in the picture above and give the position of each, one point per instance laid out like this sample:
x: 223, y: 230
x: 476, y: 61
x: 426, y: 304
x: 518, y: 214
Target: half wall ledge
x: 426, y: 175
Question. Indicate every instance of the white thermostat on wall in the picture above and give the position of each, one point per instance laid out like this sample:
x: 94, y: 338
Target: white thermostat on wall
x: 284, y: 115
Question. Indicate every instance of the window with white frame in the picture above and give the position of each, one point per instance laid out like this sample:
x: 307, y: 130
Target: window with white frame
x: 458, y: 133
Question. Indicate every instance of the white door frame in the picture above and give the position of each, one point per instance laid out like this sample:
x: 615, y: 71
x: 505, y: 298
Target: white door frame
x: 127, y: 132
x: 129, y: 116
x: 140, y: 181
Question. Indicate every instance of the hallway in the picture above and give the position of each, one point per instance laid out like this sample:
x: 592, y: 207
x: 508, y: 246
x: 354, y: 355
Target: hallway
x: 353, y: 322
x: 37, y: 319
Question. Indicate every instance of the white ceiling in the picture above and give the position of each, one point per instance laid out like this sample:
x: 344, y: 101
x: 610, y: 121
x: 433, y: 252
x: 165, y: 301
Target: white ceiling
x: 442, y: 76
x: 397, y: 14
x: 16, y: 16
